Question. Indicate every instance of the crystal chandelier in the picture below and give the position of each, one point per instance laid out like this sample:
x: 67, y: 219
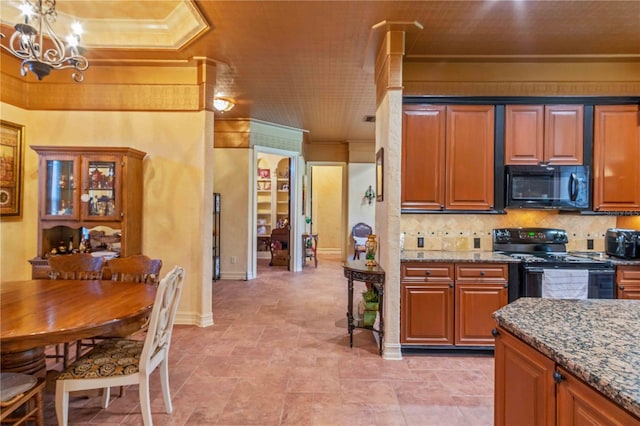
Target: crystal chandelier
x: 40, y: 48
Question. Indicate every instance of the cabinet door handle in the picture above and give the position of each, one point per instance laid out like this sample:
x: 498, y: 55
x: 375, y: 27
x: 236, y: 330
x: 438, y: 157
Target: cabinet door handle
x: 557, y: 377
x: 495, y: 332
x: 450, y: 285
x: 428, y: 273
x: 482, y: 273
x: 621, y: 287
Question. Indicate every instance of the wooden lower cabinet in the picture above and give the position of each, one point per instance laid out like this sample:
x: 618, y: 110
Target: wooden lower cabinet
x: 628, y: 282
x: 524, y: 386
x: 450, y: 304
x: 531, y: 389
x: 474, y: 304
x: 426, y: 291
x: 580, y: 404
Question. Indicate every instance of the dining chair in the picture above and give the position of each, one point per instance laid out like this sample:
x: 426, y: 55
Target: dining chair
x: 77, y: 266
x: 121, y: 362
x: 137, y: 268
x: 359, y: 233
x: 17, y: 390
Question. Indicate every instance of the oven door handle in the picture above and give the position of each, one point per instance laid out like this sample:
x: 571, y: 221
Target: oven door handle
x: 534, y: 269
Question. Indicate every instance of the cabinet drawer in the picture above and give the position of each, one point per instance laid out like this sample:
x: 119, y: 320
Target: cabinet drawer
x: 628, y: 274
x: 426, y: 272
x: 474, y: 272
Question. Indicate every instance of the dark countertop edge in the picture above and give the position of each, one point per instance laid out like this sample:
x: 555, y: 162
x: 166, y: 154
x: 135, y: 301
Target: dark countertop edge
x: 587, y: 377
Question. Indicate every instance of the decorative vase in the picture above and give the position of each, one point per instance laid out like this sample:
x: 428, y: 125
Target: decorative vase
x: 371, y: 247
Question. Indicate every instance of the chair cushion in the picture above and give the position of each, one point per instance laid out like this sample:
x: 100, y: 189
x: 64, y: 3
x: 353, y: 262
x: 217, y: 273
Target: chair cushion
x: 360, y: 241
x: 112, y: 357
x: 12, y: 384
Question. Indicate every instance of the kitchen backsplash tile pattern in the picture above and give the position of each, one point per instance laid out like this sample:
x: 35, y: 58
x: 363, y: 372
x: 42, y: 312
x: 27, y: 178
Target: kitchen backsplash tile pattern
x: 459, y: 232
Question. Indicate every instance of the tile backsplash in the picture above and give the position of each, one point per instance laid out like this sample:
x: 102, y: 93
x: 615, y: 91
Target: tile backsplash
x: 457, y: 232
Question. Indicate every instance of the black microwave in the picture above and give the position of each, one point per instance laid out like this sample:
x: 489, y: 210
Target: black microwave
x: 548, y: 187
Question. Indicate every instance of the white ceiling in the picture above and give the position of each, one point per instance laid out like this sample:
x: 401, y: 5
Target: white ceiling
x: 301, y: 63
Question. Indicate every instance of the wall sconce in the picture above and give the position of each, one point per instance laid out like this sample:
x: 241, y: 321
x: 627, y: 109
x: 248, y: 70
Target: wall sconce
x: 223, y: 104
x: 369, y: 194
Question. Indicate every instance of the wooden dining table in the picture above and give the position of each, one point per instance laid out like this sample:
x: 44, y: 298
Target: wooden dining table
x: 37, y: 313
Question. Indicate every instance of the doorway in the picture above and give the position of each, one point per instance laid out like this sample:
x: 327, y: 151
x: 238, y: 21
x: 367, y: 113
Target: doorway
x: 274, y: 200
x: 328, y: 199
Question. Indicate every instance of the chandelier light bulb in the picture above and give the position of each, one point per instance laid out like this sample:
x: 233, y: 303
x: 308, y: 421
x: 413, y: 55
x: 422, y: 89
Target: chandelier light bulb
x: 76, y: 28
x: 27, y: 11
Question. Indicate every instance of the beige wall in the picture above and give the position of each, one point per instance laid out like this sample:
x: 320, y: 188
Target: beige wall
x: 231, y: 180
x: 361, y: 175
x: 178, y: 183
x: 327, y: 207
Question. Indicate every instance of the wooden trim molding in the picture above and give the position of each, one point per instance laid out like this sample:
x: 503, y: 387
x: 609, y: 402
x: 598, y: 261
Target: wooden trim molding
x: 522, y: 88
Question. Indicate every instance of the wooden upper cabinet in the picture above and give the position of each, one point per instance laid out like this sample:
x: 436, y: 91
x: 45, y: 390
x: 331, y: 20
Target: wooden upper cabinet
x: 551, y: 134
x: 423, y: 160
x: 469, y: 157
x: 524, y: 134
x: 616, y: 158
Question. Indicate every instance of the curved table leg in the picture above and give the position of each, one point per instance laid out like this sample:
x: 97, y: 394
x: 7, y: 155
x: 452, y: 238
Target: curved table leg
x: 31, y: 361
x: 350, y: 325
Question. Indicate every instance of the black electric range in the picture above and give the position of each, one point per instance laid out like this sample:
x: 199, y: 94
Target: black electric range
x: 540, y: 249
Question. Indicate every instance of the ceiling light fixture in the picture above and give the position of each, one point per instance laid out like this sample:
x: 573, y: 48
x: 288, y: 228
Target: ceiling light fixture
x: 40, y: 48
x: 222, y: 104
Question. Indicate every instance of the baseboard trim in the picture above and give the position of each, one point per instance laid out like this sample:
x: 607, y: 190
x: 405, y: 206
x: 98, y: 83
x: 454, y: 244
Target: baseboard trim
x: 234, y: 276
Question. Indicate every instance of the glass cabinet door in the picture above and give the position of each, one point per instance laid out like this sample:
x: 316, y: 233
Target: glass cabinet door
x: 100, y: 197
x: 60, y: 195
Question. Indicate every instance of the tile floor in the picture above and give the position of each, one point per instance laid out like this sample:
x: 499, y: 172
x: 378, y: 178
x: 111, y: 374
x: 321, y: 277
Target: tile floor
x: 278, y: 354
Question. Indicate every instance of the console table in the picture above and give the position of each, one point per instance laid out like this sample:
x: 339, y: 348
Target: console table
x: 357, y: 270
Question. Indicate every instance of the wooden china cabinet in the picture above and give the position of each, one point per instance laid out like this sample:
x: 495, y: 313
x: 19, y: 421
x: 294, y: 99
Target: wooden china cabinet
x: 86, y: 191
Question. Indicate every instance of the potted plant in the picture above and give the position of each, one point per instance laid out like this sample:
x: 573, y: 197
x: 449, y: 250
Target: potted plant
x: 371, y: 305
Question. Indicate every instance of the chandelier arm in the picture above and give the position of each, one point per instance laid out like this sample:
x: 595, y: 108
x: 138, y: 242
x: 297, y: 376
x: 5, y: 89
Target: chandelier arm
x: 28, y: 43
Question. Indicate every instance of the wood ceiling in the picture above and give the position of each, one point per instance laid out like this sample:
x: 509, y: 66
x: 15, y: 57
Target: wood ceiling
x: 302, y: 63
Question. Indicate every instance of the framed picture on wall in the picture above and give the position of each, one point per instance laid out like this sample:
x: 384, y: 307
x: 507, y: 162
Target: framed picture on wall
x: 379, y: 174
x: 11, y: 153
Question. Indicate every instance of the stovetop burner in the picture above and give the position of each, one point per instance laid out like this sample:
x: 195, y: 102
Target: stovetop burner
x: 539, y: 245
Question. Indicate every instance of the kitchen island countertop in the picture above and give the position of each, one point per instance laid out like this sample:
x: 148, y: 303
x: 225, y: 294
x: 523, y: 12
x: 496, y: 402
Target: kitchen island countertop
x: 455, y: 256
x: 594, y: 339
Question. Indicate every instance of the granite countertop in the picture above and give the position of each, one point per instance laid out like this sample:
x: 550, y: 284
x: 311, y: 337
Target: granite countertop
x: 602, y: 256
x: 454, y: 256
x: 594, y: 339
